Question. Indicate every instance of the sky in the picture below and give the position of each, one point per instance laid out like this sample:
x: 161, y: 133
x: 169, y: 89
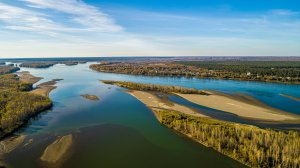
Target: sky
x: 78, y: 28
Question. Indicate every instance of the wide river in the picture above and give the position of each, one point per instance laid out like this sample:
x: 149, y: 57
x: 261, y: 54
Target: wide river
x: 118, y: 130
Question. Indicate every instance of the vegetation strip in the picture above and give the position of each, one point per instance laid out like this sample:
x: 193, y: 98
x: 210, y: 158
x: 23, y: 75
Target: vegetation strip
x: 250, y: 145
x: 155, y: 87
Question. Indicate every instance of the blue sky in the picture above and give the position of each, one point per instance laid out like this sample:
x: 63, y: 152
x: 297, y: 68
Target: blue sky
x: 65, y: 28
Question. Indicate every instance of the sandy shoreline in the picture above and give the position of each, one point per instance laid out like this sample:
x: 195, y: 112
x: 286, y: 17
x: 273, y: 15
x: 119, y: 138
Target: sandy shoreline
x: 154, y: 103
x: 242, y: 108
x: 28, y: 78
x: 42, y: 89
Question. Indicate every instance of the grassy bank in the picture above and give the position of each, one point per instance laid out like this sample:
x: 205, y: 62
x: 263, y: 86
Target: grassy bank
x: 250, y: 145
x: 154, y: 87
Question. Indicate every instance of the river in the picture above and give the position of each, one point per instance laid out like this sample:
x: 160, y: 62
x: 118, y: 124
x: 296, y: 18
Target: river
x: 118, y: 130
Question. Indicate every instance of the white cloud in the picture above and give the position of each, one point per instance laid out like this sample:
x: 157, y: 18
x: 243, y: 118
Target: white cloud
x: 16, y: 18
x: 86, y: 15
x: 284, y: 12
x: 88, y: 18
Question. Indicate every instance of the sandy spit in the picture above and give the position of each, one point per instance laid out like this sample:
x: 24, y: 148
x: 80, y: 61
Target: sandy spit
x: 154, y: 102
x: 239, y: 107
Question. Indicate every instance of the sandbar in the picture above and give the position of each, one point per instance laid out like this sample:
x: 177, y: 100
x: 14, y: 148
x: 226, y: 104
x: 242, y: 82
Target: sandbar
x: 58, y: 149
x: 155, y: 103
x: 242, y: 108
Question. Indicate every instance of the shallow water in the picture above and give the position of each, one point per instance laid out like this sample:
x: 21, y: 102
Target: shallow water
x: 118, y: 130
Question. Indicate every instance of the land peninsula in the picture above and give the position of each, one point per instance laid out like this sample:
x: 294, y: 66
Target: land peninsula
x: 250, y: 145
x: 19, y: 103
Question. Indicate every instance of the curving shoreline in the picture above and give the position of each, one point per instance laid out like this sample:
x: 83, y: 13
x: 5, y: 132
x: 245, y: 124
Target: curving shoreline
x: 155, y: 103
x: 242, y: 105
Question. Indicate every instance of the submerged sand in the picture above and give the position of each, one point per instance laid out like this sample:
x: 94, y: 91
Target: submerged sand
x: 154, y: 102
x: 9, y: 144
x: 239, y: 107
x: 58, y: 149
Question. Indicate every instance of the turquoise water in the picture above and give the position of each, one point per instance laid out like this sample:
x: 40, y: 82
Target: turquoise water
x: 119, y: 131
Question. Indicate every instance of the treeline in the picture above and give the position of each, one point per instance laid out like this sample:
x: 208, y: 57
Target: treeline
x: 17, y: 105
x: 250, y: 145
x: 48, y: 64
x: 8, y: 69
x: 287, y: 72
x: 268, y: 70
x: 155, y: 87
x: 37, y: 64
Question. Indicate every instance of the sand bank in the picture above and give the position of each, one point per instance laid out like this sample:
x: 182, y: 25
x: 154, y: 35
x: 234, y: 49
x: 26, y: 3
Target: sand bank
x: 154, y: 103
x: 58, y: 149
x: 240, y: 106
x: 28, y: 78
x: 90, y: 97
x: 45, y: 88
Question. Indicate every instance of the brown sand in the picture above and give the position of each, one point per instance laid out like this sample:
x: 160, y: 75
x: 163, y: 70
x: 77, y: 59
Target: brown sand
x: 45, y: 88
x: 28, y: 78
x: 239, y: 107
x: 57, y: 150
x: 154, y: 102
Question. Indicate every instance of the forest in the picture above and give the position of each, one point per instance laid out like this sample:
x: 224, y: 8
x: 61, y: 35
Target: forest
x: 250, y: 145
x: 17, y: 105
x: 282, y: 72
x: 47, y: 64
x: 155, y: 87
x: 37, y: 64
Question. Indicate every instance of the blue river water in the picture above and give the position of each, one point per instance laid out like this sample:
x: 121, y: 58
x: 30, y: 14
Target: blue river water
x: 120, y: 131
